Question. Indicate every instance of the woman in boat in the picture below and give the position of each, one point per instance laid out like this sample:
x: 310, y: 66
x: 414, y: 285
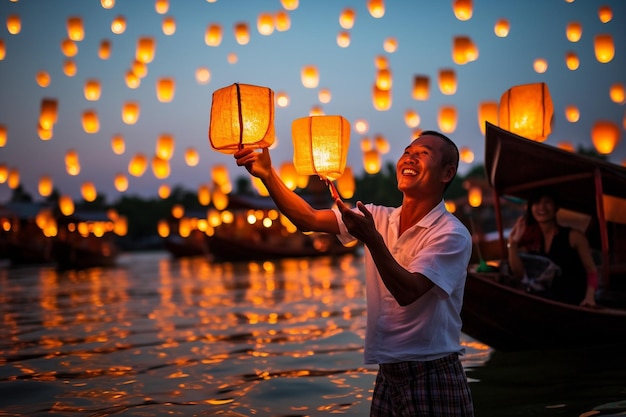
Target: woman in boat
x: 539, y: 233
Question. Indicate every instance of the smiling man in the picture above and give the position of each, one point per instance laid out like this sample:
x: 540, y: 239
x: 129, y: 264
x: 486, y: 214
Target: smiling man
x: 415, y: 263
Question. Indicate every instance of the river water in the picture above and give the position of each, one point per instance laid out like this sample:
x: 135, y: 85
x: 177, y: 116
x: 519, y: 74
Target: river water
x: 156, y: 336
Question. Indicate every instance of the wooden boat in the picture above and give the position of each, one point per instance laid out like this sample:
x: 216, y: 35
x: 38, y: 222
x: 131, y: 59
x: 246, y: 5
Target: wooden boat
x: 196, y: 244
x: 502, y: 314
x: 23, y: 241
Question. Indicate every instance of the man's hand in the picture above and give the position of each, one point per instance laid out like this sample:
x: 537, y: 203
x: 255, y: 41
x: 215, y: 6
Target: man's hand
x: 258, y: 164
x: 361, y: 226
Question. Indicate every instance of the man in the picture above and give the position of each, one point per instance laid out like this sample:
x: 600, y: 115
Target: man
x: 415, y: 262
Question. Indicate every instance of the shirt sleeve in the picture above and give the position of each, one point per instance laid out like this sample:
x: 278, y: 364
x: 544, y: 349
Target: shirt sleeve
x: 344, y: 236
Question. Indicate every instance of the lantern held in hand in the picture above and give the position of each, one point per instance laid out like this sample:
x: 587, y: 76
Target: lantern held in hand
x: 242, y: 115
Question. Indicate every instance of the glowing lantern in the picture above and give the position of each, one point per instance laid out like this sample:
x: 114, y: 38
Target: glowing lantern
x: 66, y: 205
x: 320, y: 145
x: 462, y: 9
x: 447, y: 119
x: 160, y: 167
x: 343, y: 39
x: 43, y: 79
x: 412, y: 118
x: 69, y: 68
x: 166, y: 87
x: 219, y: 174
x: 566, y: 146
x: 107, y: 4
x: 376, y: 8
x: 316, y: 111
x: 617, y: 93
x: 310, y: 76
x: 502, y: 28
x: 48, y: 113
x: 120, y: 181
x: 3, y: 135
x: 163, y: 228
x: 371, y: 161
x: 145, y: 49
x: 165, y: 146
x: 381, y: 99
x: 383, y: 79
x: 104, y: 51
x: 527, y: 110
x: 130, y: 112
x: 204, y: 195
x: 213, y: 35
x: 283, y: 21
x: 92, y: 90
x: 605, y: 136
x: 572, y: 114
x: 161, y: 6
x: 14, y: 24
x: 91, y: 123
x: 118, y: 25
x: 203, y: 75
x: 447, y: 81
x: 88, y: 191
x: 45, y: 185
x: 4, y: 173
x: 72, y: 164
x: 192, y: 158
x: 288, y: 175
x: 164, y: 191
x: 324, y: 95
x: 118, y: 145
x: 13, y: 178
x: 574, y: 31
x: 381, y: 62
x: 464, y: 50
x: 265, y: 24
x: 475, y: 196
x: 44, y: 134
x: 220, y: 200
x: 361, y: 126
x: 347, y: 17
x: 232, y: 58
x: 242, y: 33
x: 604, y: 47
x: 140, y: 69
x: 289, y: 4
x: 540, y: 65
x: 390, y: 45
x: 346, y: 184
x: 120, y: 227
x: 242, y: 115
x: 572, y: 61
x: 605, y: 13
x: 3, y: 50
x: 69, y: 48
x: 75, y: 30
x: 466, y: 155
x: 487, y: 112
x: 421, y: 87
x: 138, y: 165
x: 381, y: 144
x: 132, y: 80
x: 168, y: 26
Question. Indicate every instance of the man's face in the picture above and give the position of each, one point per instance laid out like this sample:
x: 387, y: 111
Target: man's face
x: 420, y: 166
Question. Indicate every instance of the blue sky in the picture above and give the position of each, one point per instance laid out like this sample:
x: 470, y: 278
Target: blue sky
x: 423, y: 29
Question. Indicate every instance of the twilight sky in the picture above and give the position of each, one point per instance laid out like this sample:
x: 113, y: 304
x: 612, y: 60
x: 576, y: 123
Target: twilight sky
x: 424, y: 32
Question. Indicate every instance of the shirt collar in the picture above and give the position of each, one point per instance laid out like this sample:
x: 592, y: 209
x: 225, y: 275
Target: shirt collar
x: 428, y: 220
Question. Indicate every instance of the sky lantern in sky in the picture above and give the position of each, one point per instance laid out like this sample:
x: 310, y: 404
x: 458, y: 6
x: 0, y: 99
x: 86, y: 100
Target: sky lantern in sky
x: 466, y: 155
x: 48, y: 113
x: 145, y: 50
x: 605, y: 136
x: 203, y: 75
x: 165, y: 89
x: 487, y: 112
x: 288, y: 174
x: 160, y: 167
x: 381, y: 144
x: 527, y: 110
x: 66, y: 205
x: 242, y: 115
x: 475, y: 196
x: 265, y: 24
x: 390, y: 45
x: 3, y: 49
x: 540, y: 65
x: 604, y: 47
x: 164, y: 191
x: 204, y: 194
x: 165, y: 146
x: 43, y: 79
x: 118, y: 25
x: 107, y: 4
x: 168, y: 25
x: 421, y: 87
x: 376, y: 8
x: 3, y: 135
x: 381, y: 99
x: 130, y: 112
x: 447, y: 81
x: 138, y: 165
x: 14, y: 24
x: 282, y: 21
x: 161, y: 6
x: 290, y: 4
x: 502, y: 28
x: 412, y: 118
x: 220, y: 199
x: 384, y: 79
x: 574, y: 31
x: 617, y: 93
x: 447, y: 119
x: 572, y: 61
x: 91, y: 123
x: 72, y: 164
x: 132, y: 80
x: 464, y: 50
x: 75, y: 29
x: 13, y: 178
x: 343, y: 39
x: 324, y: 95
x: 92, y: 89
x: 347, y: 18
x: 463, y: 9
x: 572, y: 114
x: 4, y: 173
x: 88, y: 191
x: 361, y: 126
x: 45, y: 185
x: 163, y: 228
x: 371, y: 161
x: 219, y: 175
x: 104, y: 51
x: 605, y: 13
x: 310, y: 76
x: 69, y: 47
x: 242, y: 33
x: 213, y: 34
x: 69, y: 68
x: 192, y: 158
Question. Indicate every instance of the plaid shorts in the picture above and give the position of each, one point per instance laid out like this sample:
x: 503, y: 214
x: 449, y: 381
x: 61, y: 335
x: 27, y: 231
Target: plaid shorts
x: 431, y: 388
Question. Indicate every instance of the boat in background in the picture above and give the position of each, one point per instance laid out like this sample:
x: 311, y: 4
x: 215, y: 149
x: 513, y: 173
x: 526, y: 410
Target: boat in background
x: 23, y: 242
x: 499, y: 311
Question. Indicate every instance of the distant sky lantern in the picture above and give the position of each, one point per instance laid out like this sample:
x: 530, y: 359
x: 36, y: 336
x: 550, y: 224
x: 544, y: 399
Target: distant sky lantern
x: 381, y: 99
x: 118, y: 145
x: 163, y: 228
x: 412, y: 118
x: 203, y: 75
x: 138, y: 165
x: 3, y: 49
x: 72, y: 164
x: 324, y: 95
x: 381, y: 144
x: 165, y: 146
x: 219, y: 175
x: 178, y: 211
x: 366, y: 144
x: 572, y: 61
x: 617, y: 94
x: 347, y: 18
x: 381, y: 62
x: 463, y: 9
x: 574, y: 31
x: 265, y: 23
x: 605, y: 13
x: 192, y: 158
x: 288, y: 174
x: 118, y: 25
x: 3, y: 135
x: 447, y: 81
x: 44, y: 134
x: 466, y: 155
x: 45, y: 185
x: 168, y: 25
x: 421, y: 87
x: 92, y: 90
x: 376, y: 8
x: 242, y: 33
x: 346, y: 184
x: 282, y: 99
x: 447, y: 119
x: 361, y: 126
x: 43, y: 79
x: 66, y: 205
x: 88, y: 191
x: 463, y: 50
x: 242, y: 115
x: 107, y: 4
x: 605, y: 136
x: 232, y: 58
x: 572, y: 114
x: 487, y: 112
x: 204, y: 194
x: 69, y: 48
x: 69, y: 68
x: 282, y: 21
x: 91, y: 123
x: 371, y: 161
x: 475, y: 196
x: 527, y: 110
x: 104, y: 51
x: 14, y: 24
x: 343, y: 39
x: 160, y: 167
x: 165, y: 89
x: 220, y: 199
x: 502, y: 28
x: 384, y: 79
x: 390, y: 45
x: 540, y: 65
x: 13, y: 178
x: 566, y: 146
x: 289, y: 4
x: 213, y: 34
x: 130, y: 112
x: 164, y: 191
x: 604, y: 47
x: 310, y: 76
x: 161, y: 6
x: 132, y: 80
x: 48, y: 113
x: 145, y: 50
x: 75, y: 29
x: 140, y: 69
x: 4, y: 173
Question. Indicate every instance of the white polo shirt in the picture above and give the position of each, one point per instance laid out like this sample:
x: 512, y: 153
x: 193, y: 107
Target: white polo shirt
x: 439, y: 247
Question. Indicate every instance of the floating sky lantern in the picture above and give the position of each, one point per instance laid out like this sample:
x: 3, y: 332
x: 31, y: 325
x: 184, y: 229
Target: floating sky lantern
x: 69, y: 48
x: 347, y: 18
x: 466, y: 155
x: 69, y: 68
x: 88, y: 191
x: 447, y: 119
x: 213, y: 34
x: 14, y: 24
x: 91, y: 123
x: 138, y: 165
x: 464, y: 50
x: 192, y: 158
x: 48, y: 113
x: 92, y: 90
x: 44, y: 134
x: 165, y: 146
x: 605, y: 136
x: 161, y: 6
x: 605, y: 13
x: 572, y: 114
x: 265, y: 24
x: 310, y: 76
x: 361, y: 126
x: 160, y: 167
x: 283, y: 21
x: 540, y: 65
x: 242, y: 115
x: 164, y: 191
x: 390, y: 45
x: 343, y: 39
x: 412, y: 118
x: 384, y: 79
x: 574, y: 31
x: 421, y: 87
x: 118, y: 145
x: 527, y: 110
x: 75, y: 29
x: 381, y: 99
x: 371, y: 161
x: 502, y: 28
x: 130, y: 112
x: 219, y: 175
x: 104, y: 50
x: 168, y: 25
x: 45, y: 185
x: 220, y: 199
x: 203, y: 75
x: 145, y: 50
x: 381, y: 144
x: 324, y: 95
x: 232, y: 58
x: 3, y: 49
x: 72, y: 163
x: 4, y: 173
x: 604, y: 47
x: 447, y: 81
x: 463, y: 9
x: 487, y: 112
x: 617, y: 93
x: 242, y: 33
x: 376, y: 8
x: 475, y: 196
x: 43, y: 79
x: 118, y: 25
x: 165, y: 89
x: 66, y: 205
x: 572, y: 61
x: 288, y: 174
x: 3, y: 135
x: 204, y: 194
x: 13, y: 178
x: 107, y: 4
x: 381, y: 62
x: 132, y: 80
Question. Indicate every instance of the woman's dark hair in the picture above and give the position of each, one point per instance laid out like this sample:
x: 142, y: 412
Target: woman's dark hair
x: 534, y: 198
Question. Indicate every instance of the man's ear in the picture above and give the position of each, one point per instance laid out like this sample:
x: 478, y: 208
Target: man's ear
x: 448, y: 173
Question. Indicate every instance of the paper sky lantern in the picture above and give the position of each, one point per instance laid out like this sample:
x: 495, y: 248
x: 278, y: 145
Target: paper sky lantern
x: 487, y: 112
x: 605, y: 136
x: 192, y: 158
x: 381, y: 99
x: 130, y: 112
x: 3, y: 135
x: 289, y: 4
x: 165, y: 89
x: 265, y: 24
x: 283, y: 21
x: 118, y: 25
x: 324, y: 95
x: 604, y: 47
x: 213, y: 35
x: 203, y: 75
x: 145, y: 49
x: 204, y: 194
x: 462, y: 9
x: 447, y: 81
x: 91, y: 123
x: 4, y: 173
x: 605, y: 13
x: 45, y: 185
x: 88, y: 191
x: 219, y: 174
x: 75, y: 30
x: 232, y: 58
x: 242, y: 33
x: 573, y: 31
x: 502, y: 28
x: 220, y: 199
x: 381, y: 62
x: 138, y: 165
x: 572, y: 114
x: 163, y: 228
x: 310, y: 76
x: 168, y: 25
x: 69, y: 68
x: 48, y: 113
x: 107, y: 4
x: 540, y: 65
x: 320, y: 145
x: 165, y: 146
x: 3, y: 49
x: 139, y: 68
x: 447, y: 119
x: 371, y: 161
x: 376, y: 8
x: 14, y: 24
x: 361, y: 126
x: 347, y: 18
x: 527, y: 110
x: 13, y: 178
x: 464, y: 50
x: 343, y: 39
x: 572, y: 61
x: 69, y: 48
x: 390, y: 45
x: 160, y: 167
x: 164, y: 191
x: 72, y: 164
x: 617, y: 93
x: 92, y: 90
x: 421, y: 87
x: 242, y: 115
x: 118, y: 145
x: 43, y: 79
x: 475, y: 196
x: 132, y: 80
x: 104, y: 50
x: 346, y: 184
x: 381, y: 144
x: 66, y: 205
x: 44, y: 134
x: 384, y: 79
x: 412, y: 118
x: 161, y: 6
x: 466, y: 155
x: 288, y: 174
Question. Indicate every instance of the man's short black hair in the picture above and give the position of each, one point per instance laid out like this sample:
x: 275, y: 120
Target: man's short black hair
x: 451, y: 155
